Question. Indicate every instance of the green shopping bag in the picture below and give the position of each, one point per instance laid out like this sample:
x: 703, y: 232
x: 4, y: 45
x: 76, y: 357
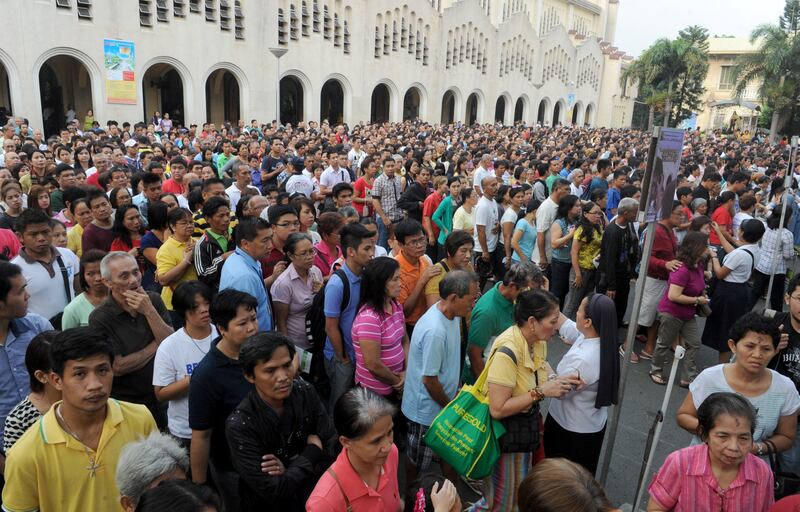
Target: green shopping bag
x: 464, y: 434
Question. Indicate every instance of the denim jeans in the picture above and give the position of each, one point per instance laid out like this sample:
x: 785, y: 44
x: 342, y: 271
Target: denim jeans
x: 383, y: 233
x: 790, y: 459
x: 341, y: 377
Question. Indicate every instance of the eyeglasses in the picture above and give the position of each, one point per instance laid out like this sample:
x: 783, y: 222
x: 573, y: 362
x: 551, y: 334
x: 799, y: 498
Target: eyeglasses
x: 594, y: 213
x: 417, y: 241
x: 295, y: 224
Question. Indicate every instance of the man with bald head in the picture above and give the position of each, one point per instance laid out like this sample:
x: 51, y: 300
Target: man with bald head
x: 488, y: 260
x: 481, y: 172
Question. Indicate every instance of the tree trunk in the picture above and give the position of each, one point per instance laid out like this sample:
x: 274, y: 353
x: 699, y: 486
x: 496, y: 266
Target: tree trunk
x: 668, y: 106
x: 651, y: 118
x: 773, y: 126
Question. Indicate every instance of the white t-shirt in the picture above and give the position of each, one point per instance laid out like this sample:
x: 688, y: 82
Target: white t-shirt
x: 486, y: 215
x: 331, y: 177
x: 177, y: 356
x: 302, y: 184
x: 781, y: 399
x: 545, y: 216
x: 234, y: 194
x: 737, y: 222
x: 575, y: 411
x: 478, y: 176
x: 740, y: 263
x: 48, y: 296
x: 509, y: 216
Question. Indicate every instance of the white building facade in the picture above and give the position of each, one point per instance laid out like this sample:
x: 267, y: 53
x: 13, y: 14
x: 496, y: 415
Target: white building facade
x: 546, y: 61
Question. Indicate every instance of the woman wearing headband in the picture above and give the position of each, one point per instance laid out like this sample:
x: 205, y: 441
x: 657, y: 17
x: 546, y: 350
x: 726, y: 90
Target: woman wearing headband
x: 576, y: 422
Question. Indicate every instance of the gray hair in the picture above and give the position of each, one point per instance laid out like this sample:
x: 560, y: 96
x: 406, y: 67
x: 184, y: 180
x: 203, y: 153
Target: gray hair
x: 143, y: 461
x: 627, y: 204
x: 456, y: 282
x: 348, y: 211
x: 358, y: 410
x: 520, y: 274
x: 105, y: 263
x: 294, y: 239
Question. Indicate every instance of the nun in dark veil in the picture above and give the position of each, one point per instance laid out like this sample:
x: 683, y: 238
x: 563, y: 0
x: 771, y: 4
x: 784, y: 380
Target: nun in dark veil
x: 576, y: 422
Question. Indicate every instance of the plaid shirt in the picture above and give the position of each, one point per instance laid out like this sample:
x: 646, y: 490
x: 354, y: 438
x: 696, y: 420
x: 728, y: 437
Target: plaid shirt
x: 388, y: 192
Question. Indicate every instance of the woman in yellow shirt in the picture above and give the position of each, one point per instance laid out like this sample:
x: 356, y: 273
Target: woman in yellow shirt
x: 585, y: 251
x: 174, y: 260
x: 82, y: 216
x: 519, y: 379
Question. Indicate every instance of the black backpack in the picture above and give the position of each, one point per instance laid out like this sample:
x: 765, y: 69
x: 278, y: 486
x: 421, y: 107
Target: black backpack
x: 315, y: 333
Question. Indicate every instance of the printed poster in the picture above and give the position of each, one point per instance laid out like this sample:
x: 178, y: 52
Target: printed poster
x: 120, y: 64
x: 664, y: 175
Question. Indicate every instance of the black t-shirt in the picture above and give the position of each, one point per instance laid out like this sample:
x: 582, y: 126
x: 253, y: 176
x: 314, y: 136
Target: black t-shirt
x: 269, y: 164
x: 787, y: 361
x: 700, y: 192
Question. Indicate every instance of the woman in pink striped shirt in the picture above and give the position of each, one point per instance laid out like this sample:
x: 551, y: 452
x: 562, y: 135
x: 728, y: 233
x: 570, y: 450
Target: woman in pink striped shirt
x: 720, y: 474
x: 379, y: 335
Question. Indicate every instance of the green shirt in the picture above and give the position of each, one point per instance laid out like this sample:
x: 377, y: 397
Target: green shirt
x: 492, y: 315
x: 76, y: 313
x: 222, y: 240
x: 57, y: 200
x: 549, y: 182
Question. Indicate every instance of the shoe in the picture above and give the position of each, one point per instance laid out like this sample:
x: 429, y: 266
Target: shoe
x: 658, y: 379
x: 645, y: 355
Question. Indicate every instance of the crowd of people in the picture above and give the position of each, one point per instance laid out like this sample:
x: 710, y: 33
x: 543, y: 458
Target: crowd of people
x: 230, y: 318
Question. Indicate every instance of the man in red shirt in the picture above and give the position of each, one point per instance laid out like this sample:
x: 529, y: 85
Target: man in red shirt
x: 284, y: 222
x: 429, y: 206
x: 723, y: 216
x: 174, y: 185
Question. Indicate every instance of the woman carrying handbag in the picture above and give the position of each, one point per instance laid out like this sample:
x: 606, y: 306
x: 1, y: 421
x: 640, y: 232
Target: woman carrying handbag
x: 517, y: 382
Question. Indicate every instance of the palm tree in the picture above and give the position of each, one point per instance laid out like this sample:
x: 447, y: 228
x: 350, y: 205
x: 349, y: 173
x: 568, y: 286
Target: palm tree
x: 775, y: 66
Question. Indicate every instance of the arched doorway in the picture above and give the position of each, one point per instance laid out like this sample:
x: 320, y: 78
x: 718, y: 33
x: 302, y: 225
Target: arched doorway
x: 5, y: 95
x: 332, y: 102
x: 64, y: 85
x: 291, y: 100
x: 542, y: 112
x: 222, y: 98
x: 472, y: 109
x: 574, y: 115
x: 500, y: 110
x: 379, y: 108
x: 411, y: 102
x: 587, y: 117
x: 162, y: 87
x: 557, y: 114
x: 448, y: 107
x: 519, y: 110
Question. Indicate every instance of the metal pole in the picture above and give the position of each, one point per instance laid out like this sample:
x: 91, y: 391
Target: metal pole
x: 679, y: 353
x: 778, y: 253
x: 632, y: 325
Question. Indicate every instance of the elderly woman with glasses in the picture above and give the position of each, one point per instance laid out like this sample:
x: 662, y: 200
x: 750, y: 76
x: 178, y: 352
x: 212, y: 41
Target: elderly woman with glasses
x: 294, y: 289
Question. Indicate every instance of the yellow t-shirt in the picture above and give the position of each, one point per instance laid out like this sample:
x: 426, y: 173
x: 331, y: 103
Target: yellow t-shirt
x: 519, y: 376
x: 47, y: 469
x: 169, y: 255
x: 589, y: 251
x: 75, y: 240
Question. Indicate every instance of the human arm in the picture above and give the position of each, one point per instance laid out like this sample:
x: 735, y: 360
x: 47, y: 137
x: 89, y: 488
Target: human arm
x: 784, y: 434
x: 416, y: 293
x: 557, y: 236
x: 721, y: 271
x: 687, y: 415
x: 124, y: 365
x: 371, y: 351
x: 502, y: 404
x: 508, y: 230
x: 676, y: 295
x: 247, y: 453
x: 574, y: 254
x: 169, y: 271
x: 427, y: 226
x: 438, y: 215
x: 476, y: 362
x: 178, y: 389
x: 540, y: 245
x: 725, y: 238
x: 199, y: 452
x: 435, y: 390
x: 281, y: 311
x: 208, y: 267
x: 481, y: 230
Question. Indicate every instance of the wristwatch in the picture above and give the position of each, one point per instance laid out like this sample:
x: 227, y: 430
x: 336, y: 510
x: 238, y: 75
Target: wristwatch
x: 760, y: 448
x: 536, y: 394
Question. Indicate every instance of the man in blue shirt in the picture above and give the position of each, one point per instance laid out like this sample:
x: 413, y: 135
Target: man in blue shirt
x: 434, y: 366
x: 601, y: 180
x: 340, y: 359
x: 614, y: 193
x: 17, y: 329
x: 242, y: 270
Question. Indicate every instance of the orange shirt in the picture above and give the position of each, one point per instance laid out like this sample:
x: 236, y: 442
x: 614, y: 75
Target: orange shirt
x: 409, y: 275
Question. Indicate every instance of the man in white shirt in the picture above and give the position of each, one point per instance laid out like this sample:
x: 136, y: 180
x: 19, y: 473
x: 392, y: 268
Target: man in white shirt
x: 356, y: 155
x: 335, y: 173
x: 480, y: 173
x: 302, y: 183
x: 243, y: 178
x: 545, y: 216
x: 487, y: 231
x: 51, y: 273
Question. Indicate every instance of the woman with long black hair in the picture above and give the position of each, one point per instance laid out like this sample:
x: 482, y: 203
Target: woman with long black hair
x: 576, y: 422
x: 561, y: 234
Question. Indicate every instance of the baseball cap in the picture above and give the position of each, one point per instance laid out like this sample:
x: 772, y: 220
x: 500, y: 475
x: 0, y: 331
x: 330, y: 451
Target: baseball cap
x: 130, y: 143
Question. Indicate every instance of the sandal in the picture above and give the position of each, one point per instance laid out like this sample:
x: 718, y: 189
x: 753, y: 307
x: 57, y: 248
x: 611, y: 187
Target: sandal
x: 658, y: 379
x: 634, y: 357
x: 645, y: 355
x: 684, y: 384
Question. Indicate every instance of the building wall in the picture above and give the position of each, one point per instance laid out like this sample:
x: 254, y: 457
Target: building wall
x: 531, y: 51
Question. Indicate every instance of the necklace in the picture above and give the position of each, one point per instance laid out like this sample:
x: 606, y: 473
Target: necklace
x: 93, y: 466
x: 195, y: 341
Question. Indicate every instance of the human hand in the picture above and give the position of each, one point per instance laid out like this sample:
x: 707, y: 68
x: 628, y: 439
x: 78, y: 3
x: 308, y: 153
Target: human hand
x: 673, y: 265
x: 188, y: 252
x: 578, y: 281
x: 784, y: 342
x: 315, y: 440
x: 431, y: 240
x: 137, y: 300
x: 485, y: 256
x: 134, y: 252
x: 443, y: 498
x: 316, y: 286
x: 702, y: 299
x: 272, y: 465
x: 398, y: 386
x: 560, y: 386
x: 279, y: 268
x: 611, y: 294
x: 430, y: 271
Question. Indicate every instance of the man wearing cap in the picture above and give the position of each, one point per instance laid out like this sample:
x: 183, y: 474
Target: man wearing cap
x: 132, y: 153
